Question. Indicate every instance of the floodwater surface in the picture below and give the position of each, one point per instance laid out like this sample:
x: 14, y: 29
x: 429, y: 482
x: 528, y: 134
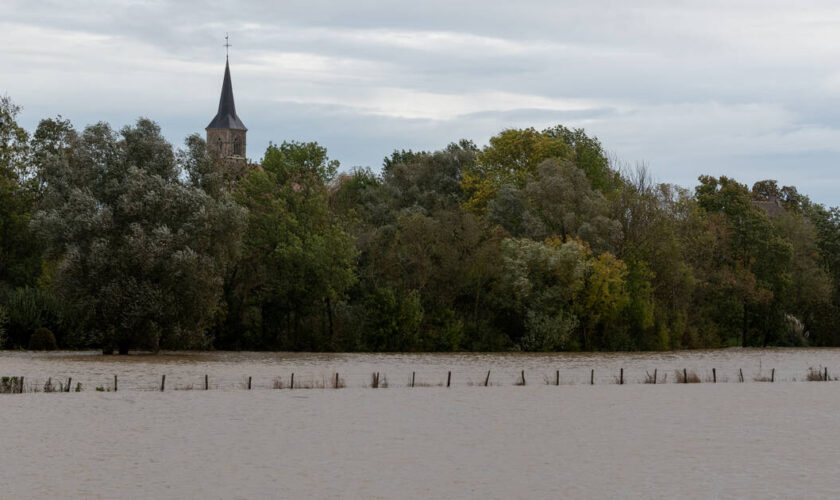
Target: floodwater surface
x: 230, y: 370
x: 725, y: 440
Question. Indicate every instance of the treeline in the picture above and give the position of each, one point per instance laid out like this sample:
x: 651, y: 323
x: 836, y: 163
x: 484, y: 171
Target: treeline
x: 537, y: 241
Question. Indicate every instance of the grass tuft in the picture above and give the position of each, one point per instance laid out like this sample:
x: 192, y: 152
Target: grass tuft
x: 689, y: 377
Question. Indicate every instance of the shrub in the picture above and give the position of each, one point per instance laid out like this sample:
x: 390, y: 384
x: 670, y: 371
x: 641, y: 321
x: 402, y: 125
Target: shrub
x: 687, y: 377
x: 27, y: 309
x: 11, y: 385
x: 42, y: 340
x: 3, y: 318
x: 817, y: 375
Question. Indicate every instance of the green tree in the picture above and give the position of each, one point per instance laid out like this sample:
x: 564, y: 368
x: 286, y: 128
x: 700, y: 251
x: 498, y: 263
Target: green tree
x: 510, y: 158
x: 140, y: 253
x: 542, y: 281
x: 298, y: 261
x: 514, y: 155
x: 20, y: 254
x: 601, y: 302
x: 562, y: 199
x: 755, y: 258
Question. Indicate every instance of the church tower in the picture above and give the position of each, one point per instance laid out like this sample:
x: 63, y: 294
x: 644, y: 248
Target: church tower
x: 226, y: 133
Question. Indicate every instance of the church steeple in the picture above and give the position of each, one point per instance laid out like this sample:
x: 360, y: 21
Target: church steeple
x: 226, y: 132
x: 226, y: 116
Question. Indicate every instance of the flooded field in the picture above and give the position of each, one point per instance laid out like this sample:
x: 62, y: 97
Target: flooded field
x: 230, y: 370
x: 732, y: 440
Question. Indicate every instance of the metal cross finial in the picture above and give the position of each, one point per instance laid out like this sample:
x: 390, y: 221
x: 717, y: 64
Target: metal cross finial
x: 226, y: 45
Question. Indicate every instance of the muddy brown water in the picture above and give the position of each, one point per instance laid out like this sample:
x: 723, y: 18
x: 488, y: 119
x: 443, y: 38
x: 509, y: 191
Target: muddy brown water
x: 230, y: 370
x: 725, y: 440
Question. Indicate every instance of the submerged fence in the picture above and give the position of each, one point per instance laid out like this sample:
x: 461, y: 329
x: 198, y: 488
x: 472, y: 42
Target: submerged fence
x: 378, y: 380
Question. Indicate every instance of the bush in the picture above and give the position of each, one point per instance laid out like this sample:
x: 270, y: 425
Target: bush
x: 3, y: 318
x: 42, y: 340
x: 28, y: 309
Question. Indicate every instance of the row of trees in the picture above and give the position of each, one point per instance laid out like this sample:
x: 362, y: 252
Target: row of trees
x: 536, y: 241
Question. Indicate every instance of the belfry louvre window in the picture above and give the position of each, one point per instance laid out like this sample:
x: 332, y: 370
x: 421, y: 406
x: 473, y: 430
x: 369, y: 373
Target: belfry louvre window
x: 237, y: 147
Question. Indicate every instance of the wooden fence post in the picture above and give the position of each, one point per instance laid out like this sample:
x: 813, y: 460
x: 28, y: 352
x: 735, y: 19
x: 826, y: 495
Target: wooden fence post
x: 523, y: 377
x: 162, y: 382
x: 115, y: 383
x: 825, y: 377
x: 336, y: 380
x: 249, y: 383
x: 773, y: 375
x: 741, y: 374
x: 685, y: 376
x: 21, y: 385
x: 412, y: 379
x: 592, y: 377
x: 557, y: 378
x: 448, y: 378
x: 206, y: 382
x: 714, y: 376
x: 654, y: 376
x: 621, y: 377
x: 487, y: 379
x: 69, y: 380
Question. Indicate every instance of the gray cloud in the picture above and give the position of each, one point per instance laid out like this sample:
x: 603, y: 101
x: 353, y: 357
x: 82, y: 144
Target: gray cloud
x: 749, y: 89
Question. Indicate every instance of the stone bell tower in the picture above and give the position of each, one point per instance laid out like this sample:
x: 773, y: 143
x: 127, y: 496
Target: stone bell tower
x: 226, y: 133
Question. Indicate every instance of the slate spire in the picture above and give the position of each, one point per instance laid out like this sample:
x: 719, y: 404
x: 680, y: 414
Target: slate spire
x: 226, y: 117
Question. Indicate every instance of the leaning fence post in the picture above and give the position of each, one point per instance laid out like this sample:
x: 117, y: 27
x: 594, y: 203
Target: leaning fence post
x: 69, y: 379
x: 487, y: 379
x: 773, y: 375
x: 714, y: 376
x: 162, y: 382
x: 448, y: 378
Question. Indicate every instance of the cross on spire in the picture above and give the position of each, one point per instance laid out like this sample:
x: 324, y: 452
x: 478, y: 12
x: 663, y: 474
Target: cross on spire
x: 226, y: 45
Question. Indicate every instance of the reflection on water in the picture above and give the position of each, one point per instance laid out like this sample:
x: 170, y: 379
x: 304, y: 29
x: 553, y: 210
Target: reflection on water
x: 230, y: 370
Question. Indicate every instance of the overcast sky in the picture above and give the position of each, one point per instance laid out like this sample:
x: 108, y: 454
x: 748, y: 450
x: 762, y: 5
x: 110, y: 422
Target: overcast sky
x: 745, y: 89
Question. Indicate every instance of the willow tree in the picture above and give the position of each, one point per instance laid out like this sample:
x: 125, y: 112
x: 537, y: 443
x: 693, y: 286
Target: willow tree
x: 140, y: 252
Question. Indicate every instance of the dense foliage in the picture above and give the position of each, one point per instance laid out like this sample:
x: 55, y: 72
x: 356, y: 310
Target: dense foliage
x: 534, y: 242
